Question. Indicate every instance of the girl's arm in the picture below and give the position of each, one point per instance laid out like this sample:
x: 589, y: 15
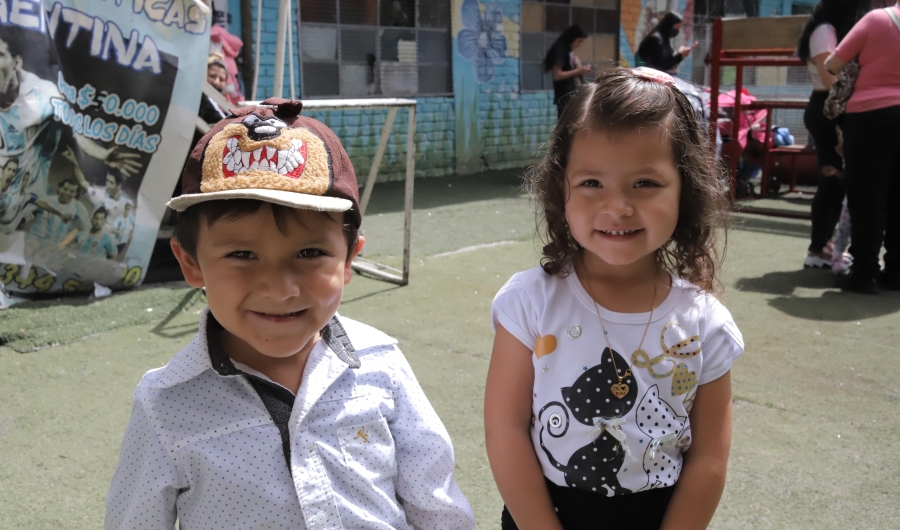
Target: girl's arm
x: 507, y: 427
x: 702, y: 479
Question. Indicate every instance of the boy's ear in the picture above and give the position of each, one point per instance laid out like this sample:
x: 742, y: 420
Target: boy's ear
x: 189, y: 266
x: 348, y: 270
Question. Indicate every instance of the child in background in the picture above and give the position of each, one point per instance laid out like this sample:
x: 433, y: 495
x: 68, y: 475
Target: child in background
x: 280, y: 413
x: 840, y: 260
x: 608, y: 399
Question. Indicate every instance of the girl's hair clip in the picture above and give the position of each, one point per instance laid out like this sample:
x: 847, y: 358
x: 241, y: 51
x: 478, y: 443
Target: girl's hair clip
x: 653, y: 75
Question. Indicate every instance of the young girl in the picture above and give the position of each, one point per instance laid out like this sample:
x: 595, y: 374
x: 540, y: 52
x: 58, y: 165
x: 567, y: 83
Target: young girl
x: 612, y: 359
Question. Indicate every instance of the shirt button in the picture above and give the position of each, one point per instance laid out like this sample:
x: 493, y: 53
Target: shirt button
x: 321, y: 517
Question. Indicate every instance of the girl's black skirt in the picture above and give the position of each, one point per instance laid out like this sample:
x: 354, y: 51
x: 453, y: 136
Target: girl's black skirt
x: 584, y: 510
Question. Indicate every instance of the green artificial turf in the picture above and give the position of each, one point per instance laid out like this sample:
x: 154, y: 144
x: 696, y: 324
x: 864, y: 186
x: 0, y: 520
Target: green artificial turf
x: 816, y: 399
x: 34, y: 325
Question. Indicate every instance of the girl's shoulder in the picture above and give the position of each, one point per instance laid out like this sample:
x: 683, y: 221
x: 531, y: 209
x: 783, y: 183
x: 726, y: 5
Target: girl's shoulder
x: 702, y: 304
x: 532, y: 288
x: 533, y: 280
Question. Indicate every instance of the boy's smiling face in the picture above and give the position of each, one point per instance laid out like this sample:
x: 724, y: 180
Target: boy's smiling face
x: 271, y: 291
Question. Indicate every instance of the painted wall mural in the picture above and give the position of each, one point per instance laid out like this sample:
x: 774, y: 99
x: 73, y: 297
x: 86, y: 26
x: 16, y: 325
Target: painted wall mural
x: 482, y: 40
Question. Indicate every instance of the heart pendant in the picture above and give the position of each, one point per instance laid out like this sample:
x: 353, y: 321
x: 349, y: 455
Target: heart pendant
x: 619, y: 390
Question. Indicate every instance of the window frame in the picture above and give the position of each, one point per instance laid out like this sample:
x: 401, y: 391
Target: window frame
x: 339, y: 27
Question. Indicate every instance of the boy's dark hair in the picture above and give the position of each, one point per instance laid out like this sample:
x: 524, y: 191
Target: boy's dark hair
x: 620, y: 102
x: 102, y: 210
x: 11, y: 159
x: 188, y: 227
x: 71, y: 182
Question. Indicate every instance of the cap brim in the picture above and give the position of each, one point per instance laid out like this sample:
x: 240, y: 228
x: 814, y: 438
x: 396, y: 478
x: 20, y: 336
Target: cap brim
x: 290, y: 199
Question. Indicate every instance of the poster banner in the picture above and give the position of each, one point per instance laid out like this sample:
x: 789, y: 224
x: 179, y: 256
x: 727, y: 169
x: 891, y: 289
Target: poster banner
x: 98, y: 100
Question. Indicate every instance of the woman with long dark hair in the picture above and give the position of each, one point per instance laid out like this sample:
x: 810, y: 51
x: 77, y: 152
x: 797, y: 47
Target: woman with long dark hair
x: 565, y: 66
x: 828, y: 24
x: 656, y: 50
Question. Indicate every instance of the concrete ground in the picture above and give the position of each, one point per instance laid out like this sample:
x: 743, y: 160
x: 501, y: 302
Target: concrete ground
x: 816, y: 399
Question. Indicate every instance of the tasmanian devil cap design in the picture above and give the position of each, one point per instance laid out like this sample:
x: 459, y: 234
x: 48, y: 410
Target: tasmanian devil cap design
x: 269, y: 152
x: 264, y: 153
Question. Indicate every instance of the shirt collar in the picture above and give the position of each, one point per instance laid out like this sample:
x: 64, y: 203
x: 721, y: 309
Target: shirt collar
x: 205, y: 352
x: 333, y: 334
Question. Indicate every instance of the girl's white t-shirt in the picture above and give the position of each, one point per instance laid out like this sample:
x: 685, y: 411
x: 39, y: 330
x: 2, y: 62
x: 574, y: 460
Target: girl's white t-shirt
x: 578, y: 425
x: 822, y: 40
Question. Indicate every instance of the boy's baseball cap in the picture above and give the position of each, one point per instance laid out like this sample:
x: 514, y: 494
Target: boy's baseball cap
x: 271, y: 153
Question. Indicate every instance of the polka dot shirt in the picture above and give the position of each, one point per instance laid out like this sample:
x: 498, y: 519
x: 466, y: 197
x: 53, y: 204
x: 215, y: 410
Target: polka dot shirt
x: 367, y: 450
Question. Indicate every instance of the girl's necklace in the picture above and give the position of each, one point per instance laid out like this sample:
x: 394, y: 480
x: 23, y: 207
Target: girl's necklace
x: 620, y: 389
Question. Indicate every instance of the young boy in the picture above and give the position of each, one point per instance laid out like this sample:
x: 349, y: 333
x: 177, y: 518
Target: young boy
x: 280, y: 413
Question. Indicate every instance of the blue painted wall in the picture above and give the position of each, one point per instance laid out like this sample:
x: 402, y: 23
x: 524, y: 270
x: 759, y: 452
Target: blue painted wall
x: 507, y: 127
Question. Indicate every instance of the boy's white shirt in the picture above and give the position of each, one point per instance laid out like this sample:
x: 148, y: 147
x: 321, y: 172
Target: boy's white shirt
x: 367, y: 449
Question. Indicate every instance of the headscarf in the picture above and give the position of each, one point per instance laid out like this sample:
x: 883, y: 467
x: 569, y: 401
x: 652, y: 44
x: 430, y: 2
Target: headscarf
x: 666, y: 26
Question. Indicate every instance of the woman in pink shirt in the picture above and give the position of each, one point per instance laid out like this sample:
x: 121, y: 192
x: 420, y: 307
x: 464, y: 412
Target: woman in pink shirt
x: 871, y: 126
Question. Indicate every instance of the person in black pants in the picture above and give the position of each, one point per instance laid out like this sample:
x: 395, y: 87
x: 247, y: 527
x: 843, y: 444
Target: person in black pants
x: 565, y: 66
x: 872, y: 150
x: 871, y: 127
x: 828, y: 24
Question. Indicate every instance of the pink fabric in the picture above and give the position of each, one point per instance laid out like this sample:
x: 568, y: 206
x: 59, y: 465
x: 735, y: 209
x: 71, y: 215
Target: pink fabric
x: 748, y: 118
x: 876, y: 40
x: 231, y: 46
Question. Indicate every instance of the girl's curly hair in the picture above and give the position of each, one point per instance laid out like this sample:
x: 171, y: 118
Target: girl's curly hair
x: 620, y: 101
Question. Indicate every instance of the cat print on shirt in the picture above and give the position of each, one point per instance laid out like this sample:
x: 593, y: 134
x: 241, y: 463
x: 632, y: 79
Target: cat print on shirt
x: 593, y: 467
x: 665, y: 431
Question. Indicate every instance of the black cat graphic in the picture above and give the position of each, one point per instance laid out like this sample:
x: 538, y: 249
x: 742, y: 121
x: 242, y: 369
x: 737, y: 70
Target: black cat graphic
x: 594, y: 466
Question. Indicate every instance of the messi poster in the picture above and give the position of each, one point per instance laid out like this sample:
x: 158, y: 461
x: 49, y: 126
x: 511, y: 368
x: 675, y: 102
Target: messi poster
x: 98, y: 100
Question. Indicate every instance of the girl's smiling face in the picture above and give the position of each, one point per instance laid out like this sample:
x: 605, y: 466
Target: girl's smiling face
x: 622, y: 194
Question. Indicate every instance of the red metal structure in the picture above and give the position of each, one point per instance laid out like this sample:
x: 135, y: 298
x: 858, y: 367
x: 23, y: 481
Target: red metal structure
x: 756, y: 42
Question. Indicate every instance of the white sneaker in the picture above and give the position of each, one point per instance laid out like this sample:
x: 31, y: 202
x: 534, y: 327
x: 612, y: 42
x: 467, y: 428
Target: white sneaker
x: 817, y: 261
x: 841, y: 262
